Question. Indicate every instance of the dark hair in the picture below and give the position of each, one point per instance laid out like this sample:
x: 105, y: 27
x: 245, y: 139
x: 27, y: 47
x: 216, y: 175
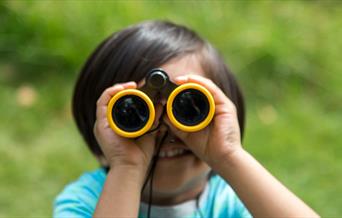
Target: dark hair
x: 129, y: 54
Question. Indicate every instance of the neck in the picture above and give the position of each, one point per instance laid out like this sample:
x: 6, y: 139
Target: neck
x: 177, y: 197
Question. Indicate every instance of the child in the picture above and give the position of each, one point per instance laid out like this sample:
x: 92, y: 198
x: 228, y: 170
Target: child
x: 184, y: 184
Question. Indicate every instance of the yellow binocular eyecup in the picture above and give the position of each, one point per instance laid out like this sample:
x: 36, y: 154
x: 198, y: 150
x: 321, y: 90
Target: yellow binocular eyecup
x: 190, y: 107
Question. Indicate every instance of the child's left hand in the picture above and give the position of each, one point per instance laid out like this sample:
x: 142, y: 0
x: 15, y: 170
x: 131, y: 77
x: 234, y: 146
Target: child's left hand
x: 219, y: 140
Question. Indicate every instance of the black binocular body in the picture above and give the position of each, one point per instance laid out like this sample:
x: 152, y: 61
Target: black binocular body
x: 131, y: 113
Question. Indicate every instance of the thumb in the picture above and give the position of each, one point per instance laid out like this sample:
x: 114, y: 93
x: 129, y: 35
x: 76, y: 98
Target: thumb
x: 147, y: 144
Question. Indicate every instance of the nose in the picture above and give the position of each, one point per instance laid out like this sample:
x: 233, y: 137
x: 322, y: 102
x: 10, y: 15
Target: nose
x: 159, y: 110
x: 158, y: 99
x: 163, y: 101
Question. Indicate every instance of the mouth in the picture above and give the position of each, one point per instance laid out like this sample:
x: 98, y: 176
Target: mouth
x: 174, y: 153
x: 173, y: 148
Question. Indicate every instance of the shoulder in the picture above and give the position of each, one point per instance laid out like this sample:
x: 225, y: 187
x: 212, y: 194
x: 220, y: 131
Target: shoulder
x: 223, y: 201
x: 79, y: 198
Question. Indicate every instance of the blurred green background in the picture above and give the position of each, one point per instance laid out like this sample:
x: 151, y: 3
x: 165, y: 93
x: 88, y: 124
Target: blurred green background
x: 286, y: 54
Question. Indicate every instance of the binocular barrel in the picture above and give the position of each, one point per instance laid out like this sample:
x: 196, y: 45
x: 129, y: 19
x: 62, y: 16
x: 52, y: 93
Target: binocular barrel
x: 190, y: 107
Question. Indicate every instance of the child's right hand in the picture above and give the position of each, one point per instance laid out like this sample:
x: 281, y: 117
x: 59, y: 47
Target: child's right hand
x: 120, y: 151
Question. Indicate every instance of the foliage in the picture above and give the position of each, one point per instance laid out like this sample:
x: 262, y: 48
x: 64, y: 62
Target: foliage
x: 286, y: 55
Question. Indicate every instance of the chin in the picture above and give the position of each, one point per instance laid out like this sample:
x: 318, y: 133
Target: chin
x: 179, y: 175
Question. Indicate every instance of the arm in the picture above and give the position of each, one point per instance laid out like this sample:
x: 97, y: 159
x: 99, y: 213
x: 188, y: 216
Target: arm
x: 219, y: 145
x: 263, y: 194
x: 121, y: 193
x: 128, y: 160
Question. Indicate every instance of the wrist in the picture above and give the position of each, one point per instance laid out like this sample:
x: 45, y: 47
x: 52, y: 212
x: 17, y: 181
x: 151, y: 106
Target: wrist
x: 229, y: 160
x: 128, y: 173
x: 134, y: 163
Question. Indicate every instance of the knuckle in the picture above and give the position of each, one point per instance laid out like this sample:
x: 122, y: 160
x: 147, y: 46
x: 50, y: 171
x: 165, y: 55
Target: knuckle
x: 202, y: 80
x: 233, y: 108
x: 210, y: 83
x: 95, y: 129
x: 197, y: 78
x: 108, y: 90
x: 98, y: 102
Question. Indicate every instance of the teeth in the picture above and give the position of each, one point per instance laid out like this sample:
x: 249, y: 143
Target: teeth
x: 162, y: 154
x: 172, y: 153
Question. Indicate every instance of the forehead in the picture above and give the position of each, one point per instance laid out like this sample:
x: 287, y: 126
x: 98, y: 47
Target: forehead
x: 183, y: 66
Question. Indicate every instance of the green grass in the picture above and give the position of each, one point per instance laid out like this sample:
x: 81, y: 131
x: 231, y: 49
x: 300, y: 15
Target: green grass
x: 286, y: 56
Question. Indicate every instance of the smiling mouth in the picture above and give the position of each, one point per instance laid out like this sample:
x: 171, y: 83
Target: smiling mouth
x: 173, y: 147
x: 175, y: 152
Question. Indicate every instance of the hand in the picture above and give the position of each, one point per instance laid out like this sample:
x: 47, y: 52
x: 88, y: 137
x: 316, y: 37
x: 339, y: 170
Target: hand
x: 221, y: 138
x: 120, y: 151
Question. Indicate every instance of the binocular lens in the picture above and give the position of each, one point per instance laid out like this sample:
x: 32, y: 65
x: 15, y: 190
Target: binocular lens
x: 190, y: 107
x: 130, y: 113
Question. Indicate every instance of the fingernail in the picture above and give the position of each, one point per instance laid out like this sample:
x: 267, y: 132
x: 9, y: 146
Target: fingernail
x: 131, y: 83
x: 181, y: 78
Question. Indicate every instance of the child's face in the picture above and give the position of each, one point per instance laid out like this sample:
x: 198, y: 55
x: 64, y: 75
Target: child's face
x: 182, y: 176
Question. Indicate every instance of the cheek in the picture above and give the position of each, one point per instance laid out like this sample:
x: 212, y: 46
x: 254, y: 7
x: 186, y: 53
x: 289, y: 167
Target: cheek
x: 180, y: 176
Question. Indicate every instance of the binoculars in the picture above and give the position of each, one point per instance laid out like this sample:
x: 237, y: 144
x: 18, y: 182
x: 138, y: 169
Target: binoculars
x: 131, y: 113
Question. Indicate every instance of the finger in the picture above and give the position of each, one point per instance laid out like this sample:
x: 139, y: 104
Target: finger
x: 217, y: 93
x: 109, y: 92
x: 147, y: 143
x: 148, y: 140
x: 141, y: 83
x: 101, y: 113
x: 102, y: 102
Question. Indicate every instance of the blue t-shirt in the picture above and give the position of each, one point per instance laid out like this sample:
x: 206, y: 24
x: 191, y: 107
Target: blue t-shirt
x: 218, y: 200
